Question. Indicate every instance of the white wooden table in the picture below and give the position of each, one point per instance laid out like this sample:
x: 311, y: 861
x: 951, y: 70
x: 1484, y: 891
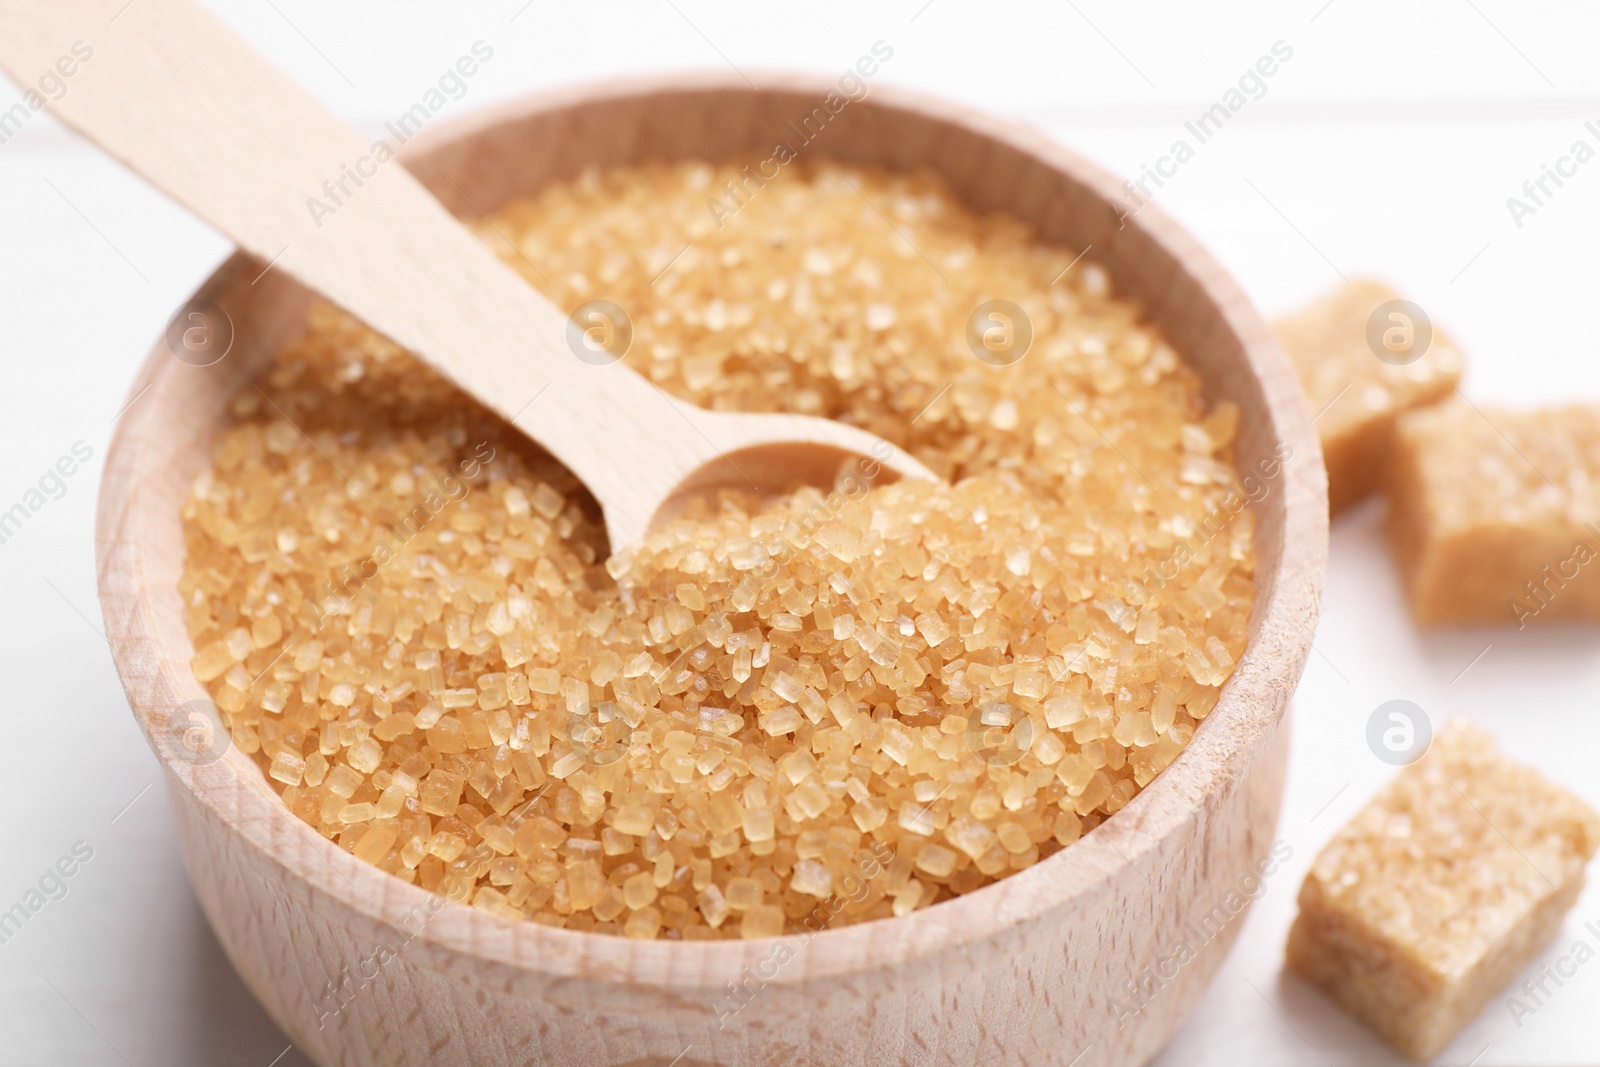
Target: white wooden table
x: 1387, y: 144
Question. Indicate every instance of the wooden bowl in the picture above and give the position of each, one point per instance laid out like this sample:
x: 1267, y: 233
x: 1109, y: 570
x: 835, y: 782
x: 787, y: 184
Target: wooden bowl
x: 1084, y: 958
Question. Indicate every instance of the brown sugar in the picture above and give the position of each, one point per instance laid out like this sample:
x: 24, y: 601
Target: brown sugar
x: 1494, y: 513
x: 1440, y: 889
x: 1356, y: 395
x: 817, y: 710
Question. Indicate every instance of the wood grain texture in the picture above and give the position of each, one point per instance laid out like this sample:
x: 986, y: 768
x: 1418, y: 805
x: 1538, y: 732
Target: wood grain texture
x: 1021, y: 972
x: 176, y: 96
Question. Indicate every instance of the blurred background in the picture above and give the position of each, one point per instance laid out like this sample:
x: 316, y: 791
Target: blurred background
x: 1386, y: 145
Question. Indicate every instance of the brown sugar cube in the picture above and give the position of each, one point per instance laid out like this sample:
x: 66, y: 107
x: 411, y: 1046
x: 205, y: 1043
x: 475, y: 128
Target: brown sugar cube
x: 1435, y: 895
x: 1361, y: 367
x: 1495, y: 515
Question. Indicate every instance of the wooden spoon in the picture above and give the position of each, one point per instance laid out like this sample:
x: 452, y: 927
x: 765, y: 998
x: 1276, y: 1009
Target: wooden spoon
x: 171, y: 92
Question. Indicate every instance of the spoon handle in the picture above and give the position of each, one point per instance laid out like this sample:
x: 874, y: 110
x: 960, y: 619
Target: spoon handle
x: 167, y: 89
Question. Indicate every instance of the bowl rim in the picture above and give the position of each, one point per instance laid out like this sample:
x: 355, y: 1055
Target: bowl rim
x: 1252, y: 702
